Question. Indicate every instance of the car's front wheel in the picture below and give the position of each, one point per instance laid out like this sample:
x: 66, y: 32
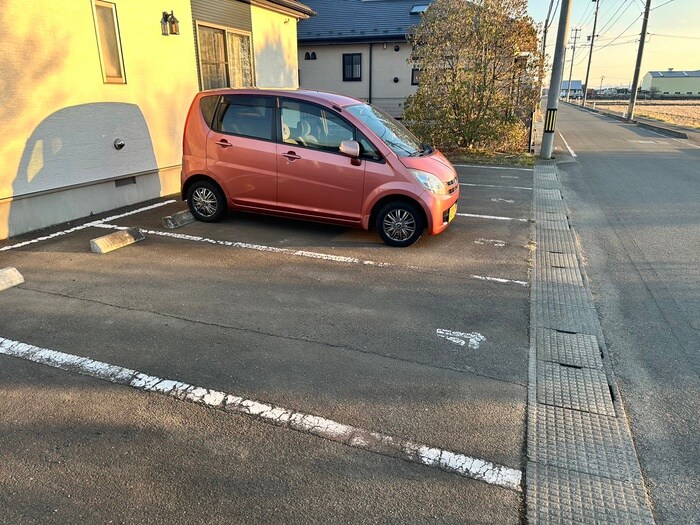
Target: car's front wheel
x: 206, y: 201
x: 400, y: 224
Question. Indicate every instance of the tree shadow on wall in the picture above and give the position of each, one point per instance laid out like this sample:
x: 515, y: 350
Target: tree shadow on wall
x: 75, y: 146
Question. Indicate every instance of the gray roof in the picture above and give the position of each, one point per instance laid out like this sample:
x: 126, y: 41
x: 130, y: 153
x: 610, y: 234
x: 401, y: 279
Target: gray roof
x: 575, y: 84
x: 675, y: 74
x: 359, y: 20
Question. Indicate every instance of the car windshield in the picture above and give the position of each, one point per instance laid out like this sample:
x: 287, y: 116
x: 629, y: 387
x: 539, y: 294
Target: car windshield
x: 389, y: 130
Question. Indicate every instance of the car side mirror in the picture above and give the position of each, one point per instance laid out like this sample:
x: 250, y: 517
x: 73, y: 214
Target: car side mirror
x: 351, y: 148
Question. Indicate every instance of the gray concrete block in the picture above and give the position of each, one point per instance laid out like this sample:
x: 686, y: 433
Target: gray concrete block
x: 10, y: 277
x: 116, y: 240
x: 177, y: 219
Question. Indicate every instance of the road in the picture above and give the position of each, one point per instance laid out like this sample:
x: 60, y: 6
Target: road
x: 634, y: 197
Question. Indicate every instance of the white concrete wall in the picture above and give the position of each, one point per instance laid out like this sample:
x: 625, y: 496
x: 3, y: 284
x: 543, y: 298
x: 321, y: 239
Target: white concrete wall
x: 59, y: 119
x: 672, y: 85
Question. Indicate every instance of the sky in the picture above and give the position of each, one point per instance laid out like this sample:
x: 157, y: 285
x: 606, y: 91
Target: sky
x: 673, y: 40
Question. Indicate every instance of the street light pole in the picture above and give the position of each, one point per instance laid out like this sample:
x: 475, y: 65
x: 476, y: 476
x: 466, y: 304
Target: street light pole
x: 590, y: 54
x: 555, y: 82
x: 638, y: 65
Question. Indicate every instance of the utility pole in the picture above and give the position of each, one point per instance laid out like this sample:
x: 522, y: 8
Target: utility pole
x: 590, y: 54
x: 571, y: 69
x: 555, y: 83
x: 638, y: 66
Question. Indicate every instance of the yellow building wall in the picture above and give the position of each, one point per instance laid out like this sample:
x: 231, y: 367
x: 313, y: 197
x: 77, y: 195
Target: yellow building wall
x: 51, y: 82
x: 275, y: 49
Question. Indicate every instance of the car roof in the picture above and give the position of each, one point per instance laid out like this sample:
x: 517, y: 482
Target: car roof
x: 333, y: 99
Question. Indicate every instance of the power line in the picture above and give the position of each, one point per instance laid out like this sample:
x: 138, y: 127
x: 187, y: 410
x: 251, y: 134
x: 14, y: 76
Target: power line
x: 623, y: 31
x: 685, y: 37
x: 666, y: 3
x: 612, y: 22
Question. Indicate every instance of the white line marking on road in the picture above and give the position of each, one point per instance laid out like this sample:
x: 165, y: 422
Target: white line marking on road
x: 491, y: 167
x: 83, y: 226
x: 495, y: 217
x: 495, y: 186
x: 509, y: 177
x: 496, y: 242
x: 498, y: 280
x: 509, y: 201
x: 571, y: 152
x: 374, y: 442
x: 472, y: 339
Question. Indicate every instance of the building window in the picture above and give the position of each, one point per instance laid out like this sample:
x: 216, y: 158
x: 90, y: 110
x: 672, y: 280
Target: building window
x: 352, y: 67
x: 415, y: 76
x: 310, y: 56
x: 109, y: 44
x: 225, y: 57
x: 678, y: 92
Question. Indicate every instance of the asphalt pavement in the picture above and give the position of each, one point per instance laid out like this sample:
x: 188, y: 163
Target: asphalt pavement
x: 427, y: 345
x: 634, y: 199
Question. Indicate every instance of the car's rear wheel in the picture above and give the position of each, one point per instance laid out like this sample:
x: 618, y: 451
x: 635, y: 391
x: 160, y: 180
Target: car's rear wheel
x: 400, y: 224
x: 206, y: 201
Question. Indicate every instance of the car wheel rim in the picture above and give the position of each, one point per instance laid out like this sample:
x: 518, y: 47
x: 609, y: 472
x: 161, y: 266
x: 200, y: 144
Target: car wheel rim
x: 399, y: 225
x: 204, y: 202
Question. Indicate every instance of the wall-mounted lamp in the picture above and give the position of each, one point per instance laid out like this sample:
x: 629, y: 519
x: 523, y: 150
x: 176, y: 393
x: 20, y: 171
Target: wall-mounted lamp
x: 396, y: 48
x: 169, y: 25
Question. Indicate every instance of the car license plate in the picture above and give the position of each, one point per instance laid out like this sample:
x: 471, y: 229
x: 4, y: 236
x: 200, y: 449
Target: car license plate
x: 453, y: 213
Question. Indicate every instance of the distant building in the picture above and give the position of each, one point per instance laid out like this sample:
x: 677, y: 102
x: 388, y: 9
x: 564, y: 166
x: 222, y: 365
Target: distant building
x: 576, y: 89
x: 673, y: 83
x: 359, y: 48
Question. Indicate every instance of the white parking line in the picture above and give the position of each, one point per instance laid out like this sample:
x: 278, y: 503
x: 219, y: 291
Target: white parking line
x: 374, y: 442
x: 83, y: 226
x: 472, y: 339
x: 499, y: 280
x: 491, y: 167
x: 296, y: 253
x: 496, y: 186
x: 494, y: 217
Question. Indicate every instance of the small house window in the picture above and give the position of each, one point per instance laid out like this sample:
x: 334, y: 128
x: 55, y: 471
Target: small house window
x: 415, y: 76
x: 352, y: 67
x: 109, y: 43
x: 225, y: 57
x: 310, y: 56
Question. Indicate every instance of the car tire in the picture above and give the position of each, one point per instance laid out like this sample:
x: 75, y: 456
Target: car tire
x: 400, y: 224
x: 206, y: 201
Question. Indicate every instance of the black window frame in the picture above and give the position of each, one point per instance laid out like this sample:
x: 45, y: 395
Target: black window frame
x: 351, y: 57
x: 271, y: 103
x: 415, y: 76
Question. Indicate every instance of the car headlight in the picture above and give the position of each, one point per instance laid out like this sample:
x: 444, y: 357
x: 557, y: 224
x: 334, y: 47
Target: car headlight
x: 430, y: 181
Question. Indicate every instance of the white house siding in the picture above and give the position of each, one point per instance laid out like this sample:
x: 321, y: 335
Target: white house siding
x: 326, y: 72
x: 59, y: 119
x: 275, y: 49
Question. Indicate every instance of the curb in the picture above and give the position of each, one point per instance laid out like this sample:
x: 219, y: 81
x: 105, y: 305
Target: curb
x: 114, y: 241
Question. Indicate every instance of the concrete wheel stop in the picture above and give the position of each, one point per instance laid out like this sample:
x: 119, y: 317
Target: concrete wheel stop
x: 10, y: 277
x: 116, y: 240
x: 177, y: 219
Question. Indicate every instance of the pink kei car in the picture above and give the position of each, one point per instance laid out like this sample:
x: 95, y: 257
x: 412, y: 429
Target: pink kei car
x: 313, y: 156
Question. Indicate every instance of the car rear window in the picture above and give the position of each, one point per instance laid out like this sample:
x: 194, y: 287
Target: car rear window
x: 247, y: 116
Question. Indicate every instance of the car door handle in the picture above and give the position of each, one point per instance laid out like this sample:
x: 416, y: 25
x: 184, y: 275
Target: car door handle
x: 223, y: 143
x: 290, y: 155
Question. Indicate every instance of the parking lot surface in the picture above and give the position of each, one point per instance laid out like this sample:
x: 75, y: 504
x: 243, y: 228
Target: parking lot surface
x: 427, y: 344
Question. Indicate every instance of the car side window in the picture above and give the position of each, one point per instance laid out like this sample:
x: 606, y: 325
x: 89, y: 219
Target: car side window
x: 313, y: 126
x: 367, y: 149
x: 247, y: 116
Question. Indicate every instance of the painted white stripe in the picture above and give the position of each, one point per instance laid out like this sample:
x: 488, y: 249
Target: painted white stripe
x: 491, y: 167
x: 685, y: 142
x: 496, y: 242
x: 507, y: 201
x: 509, y: 177
x: 472, y: 339
x: 499, y: 280
x: 83, y: 226
x: 495, y: 217
x: 495, y: 186
x: 571, y: 152
x: 356, y: 437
